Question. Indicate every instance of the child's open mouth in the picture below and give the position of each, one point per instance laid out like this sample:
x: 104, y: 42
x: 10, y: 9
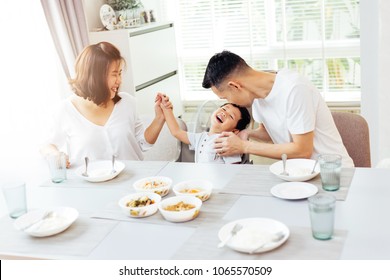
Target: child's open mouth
x: 218, y: 117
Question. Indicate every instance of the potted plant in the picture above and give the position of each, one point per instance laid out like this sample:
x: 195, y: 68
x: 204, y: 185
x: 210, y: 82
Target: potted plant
x: 119, y: 5
x: 126, y: 9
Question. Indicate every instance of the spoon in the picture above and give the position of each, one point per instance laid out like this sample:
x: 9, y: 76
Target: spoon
x: 113, y: 164
x: 85, y: 173
x: 284, y: 158
x: 235, y: 229
x: 276, y: 238
x: 314, y: 167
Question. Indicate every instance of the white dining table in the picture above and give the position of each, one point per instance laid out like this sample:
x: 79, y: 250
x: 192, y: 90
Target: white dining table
x: 362, y: 224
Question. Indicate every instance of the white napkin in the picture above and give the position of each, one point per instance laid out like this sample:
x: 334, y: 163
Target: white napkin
x: 251, y: 237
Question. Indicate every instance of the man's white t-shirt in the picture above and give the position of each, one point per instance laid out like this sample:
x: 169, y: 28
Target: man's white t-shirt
x: 123, y: 134
x: 295, y: 106
x: 203, y: 144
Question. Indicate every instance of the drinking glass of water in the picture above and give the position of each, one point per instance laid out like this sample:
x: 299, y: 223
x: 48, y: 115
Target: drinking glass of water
x: 330, y: 169
x: 15, y: 197
x: 321, y: 208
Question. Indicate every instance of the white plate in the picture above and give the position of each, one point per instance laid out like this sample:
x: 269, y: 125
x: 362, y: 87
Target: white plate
x: 256, y: 232
x: 60, y: 220
x: 100, y: 171
x: 299, y: 169
x: 108, y: 17
x: 294, y: 190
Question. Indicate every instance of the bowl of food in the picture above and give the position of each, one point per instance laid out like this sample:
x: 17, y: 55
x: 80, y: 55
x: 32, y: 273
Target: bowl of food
x: 157, y: 184
x: 180, y: 208
x: 199, y: 188
x: 298, y: 169
x: 139, y: 205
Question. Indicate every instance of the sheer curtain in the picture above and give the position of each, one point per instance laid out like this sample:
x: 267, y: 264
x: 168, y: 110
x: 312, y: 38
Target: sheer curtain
x: 68, y: 28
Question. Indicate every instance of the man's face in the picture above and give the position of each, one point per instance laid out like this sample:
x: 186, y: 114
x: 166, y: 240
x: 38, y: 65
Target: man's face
x: 234, y: 94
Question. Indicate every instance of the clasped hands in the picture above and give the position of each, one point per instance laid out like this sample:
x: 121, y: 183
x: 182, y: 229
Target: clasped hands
x: 162, y: 102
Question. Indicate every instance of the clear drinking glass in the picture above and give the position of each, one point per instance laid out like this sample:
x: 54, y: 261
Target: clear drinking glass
x: 57, y: 166
x: 15, y: 198
x: 321, y: 208
x: 330, y: 169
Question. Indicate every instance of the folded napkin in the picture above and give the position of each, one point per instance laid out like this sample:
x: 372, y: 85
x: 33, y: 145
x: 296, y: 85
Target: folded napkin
x: 250, y: 238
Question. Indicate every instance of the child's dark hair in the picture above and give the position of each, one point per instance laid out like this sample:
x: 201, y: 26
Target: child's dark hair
x: 245, y: 116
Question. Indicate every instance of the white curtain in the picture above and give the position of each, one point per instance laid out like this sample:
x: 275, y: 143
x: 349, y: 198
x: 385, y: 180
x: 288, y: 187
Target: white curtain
x: 68, y: 27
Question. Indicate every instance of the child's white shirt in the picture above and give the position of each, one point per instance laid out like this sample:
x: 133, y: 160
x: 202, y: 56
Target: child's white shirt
x: 203, y: 144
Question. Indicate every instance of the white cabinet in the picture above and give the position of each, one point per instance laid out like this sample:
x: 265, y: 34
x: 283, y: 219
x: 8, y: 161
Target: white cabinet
x: 151, y: 63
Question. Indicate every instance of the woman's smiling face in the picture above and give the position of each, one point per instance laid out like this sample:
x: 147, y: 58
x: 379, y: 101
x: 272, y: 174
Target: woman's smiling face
x: 114, y: 78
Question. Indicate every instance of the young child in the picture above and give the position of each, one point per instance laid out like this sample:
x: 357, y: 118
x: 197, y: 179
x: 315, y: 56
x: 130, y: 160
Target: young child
x: 229, y: 117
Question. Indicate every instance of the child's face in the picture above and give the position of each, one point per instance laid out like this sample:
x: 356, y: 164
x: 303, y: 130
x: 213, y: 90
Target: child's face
x: 225, y: 119
x: 114, y: 78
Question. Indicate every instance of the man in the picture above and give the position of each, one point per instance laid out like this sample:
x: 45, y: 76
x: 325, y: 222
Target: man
x: 293, y: 118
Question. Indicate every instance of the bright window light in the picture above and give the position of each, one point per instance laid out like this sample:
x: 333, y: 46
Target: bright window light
x: 320, y: 39
x: 32, y: 80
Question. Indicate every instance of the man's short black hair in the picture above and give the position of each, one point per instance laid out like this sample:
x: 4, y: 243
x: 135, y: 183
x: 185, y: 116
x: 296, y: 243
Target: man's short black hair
x: 245, y: 116
x: 220, y: 66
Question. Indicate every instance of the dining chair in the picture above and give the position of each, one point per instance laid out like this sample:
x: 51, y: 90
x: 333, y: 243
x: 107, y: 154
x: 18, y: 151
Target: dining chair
x: 354, y: 132
x: 167, y: 147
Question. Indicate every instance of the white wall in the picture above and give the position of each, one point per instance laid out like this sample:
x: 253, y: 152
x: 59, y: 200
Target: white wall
x: 375, y: 60
x: 92, y: 13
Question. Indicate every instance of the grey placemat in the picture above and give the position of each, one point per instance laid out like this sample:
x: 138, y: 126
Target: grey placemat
x: 133, y: 171
x: 258, y: 180
x: 212, y: 210
x: 202, y: 245
x: 78, y: 240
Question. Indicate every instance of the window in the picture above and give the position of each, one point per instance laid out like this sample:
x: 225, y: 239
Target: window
x: 318, y: 38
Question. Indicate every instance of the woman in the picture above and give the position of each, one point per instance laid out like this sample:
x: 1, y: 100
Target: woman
x: 98, y: 121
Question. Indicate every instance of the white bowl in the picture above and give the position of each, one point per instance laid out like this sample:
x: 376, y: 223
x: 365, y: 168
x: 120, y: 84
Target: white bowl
x: 100, y: 171
x: 180, y: 216
x: 299, y: 169
x: 199, y: 188
x: 139, y: 211
x: 157, y: 184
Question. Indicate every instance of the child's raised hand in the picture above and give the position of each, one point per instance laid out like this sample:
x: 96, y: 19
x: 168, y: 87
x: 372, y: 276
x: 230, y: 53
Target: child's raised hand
x: 165, y: 103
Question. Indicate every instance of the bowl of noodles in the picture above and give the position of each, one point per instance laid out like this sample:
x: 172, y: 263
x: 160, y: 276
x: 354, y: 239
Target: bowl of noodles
x: 180, y: 208
x: 199, y: 188
x: 157, y: 184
